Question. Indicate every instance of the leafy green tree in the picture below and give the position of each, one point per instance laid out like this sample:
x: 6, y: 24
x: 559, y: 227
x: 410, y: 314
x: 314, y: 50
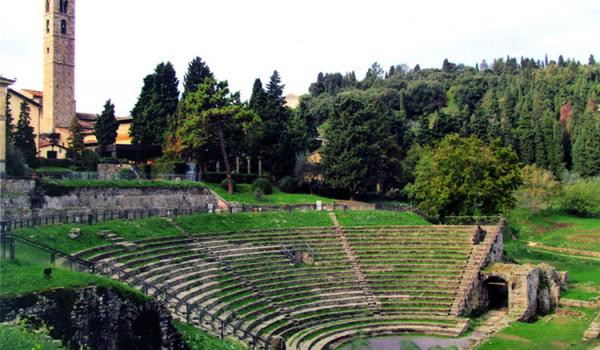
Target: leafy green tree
x: 538, y: 189
x: 106, y: 125
x: 361, y: 150
x: 76, y: 143
x: 463, y: 176
x: 24, y: 138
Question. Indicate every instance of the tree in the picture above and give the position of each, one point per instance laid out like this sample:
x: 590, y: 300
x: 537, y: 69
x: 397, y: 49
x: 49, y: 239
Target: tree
x: 154, y: 114
x: 307, y: 170
x: 24, y: 138
x: 463, y: 176
x: 10, y: 129
x: 539, y: 186
x: 106, y: 125
x: 591, y: 60
x: 197, y: 72
x: 76, y: 143
x: 361, y: 149
x: 214, y: 119
x: 586, y: 148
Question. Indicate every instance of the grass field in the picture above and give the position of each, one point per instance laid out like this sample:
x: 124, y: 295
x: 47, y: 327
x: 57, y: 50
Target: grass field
x: 57, y: 236
x: 563, y: 330
x: 197, y: 339
x: 379, y: 218
x: 557, y: 229
x: 253, y: 221
x: 244, y: 194
x: 17, y: 337
x: 22, y: 276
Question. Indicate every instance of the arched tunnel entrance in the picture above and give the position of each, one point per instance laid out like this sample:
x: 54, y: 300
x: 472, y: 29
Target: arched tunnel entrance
x: 496, y: 293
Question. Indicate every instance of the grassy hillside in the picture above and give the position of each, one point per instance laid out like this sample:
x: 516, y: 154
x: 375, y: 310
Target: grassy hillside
x: 244, y: 194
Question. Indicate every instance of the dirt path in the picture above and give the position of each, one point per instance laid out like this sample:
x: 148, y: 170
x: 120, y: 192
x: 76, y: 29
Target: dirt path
x: 574, y: 253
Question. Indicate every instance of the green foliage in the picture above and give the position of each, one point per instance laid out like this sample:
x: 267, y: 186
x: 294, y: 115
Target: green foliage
x: 76, y: 143
x: 23, y: 137
x: 198, y: 339
x: 406, y: 344
x: 20, y: 336
x: 264, y: 185
x: 15, y: 162
x: 538, y: 189
x: 10, y: 128
x: 197, y: 72
x: 156, y: 108
x: 361, y: 150
x: 127, y: 174
x: 225, y: 185
x: 582, y: 197
x: 89, y: 160
x: 106, y: 125
x: 307, y: 171
x: 288, y: 184
x: 244, y: 194
x: 586, y: 148
x: 463, y: 176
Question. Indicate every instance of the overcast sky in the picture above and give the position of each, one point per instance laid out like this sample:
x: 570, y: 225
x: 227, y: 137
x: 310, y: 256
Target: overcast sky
x: 121, y: 41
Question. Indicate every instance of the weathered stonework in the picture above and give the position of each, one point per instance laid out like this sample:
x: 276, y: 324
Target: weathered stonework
x: 15, y: 198
x: 96, y: 318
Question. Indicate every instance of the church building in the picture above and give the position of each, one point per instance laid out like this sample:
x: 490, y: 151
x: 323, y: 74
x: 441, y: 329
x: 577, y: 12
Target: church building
x: 53, y: 109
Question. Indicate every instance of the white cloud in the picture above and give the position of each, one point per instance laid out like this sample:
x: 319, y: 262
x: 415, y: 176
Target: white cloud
x: 119, y: 42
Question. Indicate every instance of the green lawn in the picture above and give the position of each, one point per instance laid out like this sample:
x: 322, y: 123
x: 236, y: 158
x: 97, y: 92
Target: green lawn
x: 22, y: 276
x: 198, y: 339
x: 52, y: 170
x: 57, y: 236
x: 18, y: 337
x: 557, y: 229
x: 379, y: 218
x: 245, y: 195
x: 556, y: 331
x: 253, y: 221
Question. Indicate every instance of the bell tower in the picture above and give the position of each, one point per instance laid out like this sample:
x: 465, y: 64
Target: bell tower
x: 59, y: 64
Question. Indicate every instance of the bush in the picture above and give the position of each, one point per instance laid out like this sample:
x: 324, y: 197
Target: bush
x: 259, y: 195
x: 225, y: 185
x: 89, y: 160
x: 127, y: 174
x: 538, y: 189
x: 60, y: 163
x: 582, y: 197
x: 216, y: 178
x: 264, y: 185
x: 288, y: 184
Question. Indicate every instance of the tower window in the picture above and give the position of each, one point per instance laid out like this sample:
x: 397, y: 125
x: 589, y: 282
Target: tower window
x: 47, y: 26
x: 63, y: 26
x: 47, y: 6
x: 64, y: 6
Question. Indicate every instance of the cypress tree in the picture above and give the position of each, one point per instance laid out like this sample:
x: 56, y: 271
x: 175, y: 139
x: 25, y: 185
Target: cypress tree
x: 24, y: 138
x: 76, y: 143
x: 106, y: 125
x: 140, y: 126
x: 586, y: 149
x: 197, y: 72
x: 10, y: 130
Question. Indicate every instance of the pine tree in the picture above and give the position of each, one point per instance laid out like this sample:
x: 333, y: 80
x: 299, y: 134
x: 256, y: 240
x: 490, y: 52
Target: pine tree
x: 586, y: 149
x: 258, y: 97
x: 154, y: 114
x: 106, y: 125
x: 197, y: 72
x: 10, y: 128
x: 591, y: 60
x: 24, y: 138
x: 76, y: 143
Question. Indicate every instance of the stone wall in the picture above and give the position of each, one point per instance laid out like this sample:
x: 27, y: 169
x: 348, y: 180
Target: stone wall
x: 96, y: 318
x: 106, y: 199
x: 19, y: 199
x: 15, y: 198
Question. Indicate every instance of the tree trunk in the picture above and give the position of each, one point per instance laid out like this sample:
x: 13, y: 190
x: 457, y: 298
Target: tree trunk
x: 225, y: 159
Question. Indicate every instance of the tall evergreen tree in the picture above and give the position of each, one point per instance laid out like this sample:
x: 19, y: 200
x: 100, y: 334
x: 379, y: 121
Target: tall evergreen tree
x: 197, y: 72
x: 10, y: 128
x: 155, y: 111
x: 258, y: 97
x: 106, y: 125
x: 586, y: 149
x: 591, y: 60
x: 76, y: 143
x: 24, y: 138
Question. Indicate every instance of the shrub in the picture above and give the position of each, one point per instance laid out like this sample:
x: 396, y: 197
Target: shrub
x: 225, y: 185
x: 259, y: 195
x: 582, y: 197
x: 127, y: 174
x: 264, y: 185
x: 288, y: 184
x: 539, y: 186
x: 89, y: 160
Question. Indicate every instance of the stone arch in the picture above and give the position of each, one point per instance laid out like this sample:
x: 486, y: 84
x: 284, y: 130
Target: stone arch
x: 496, y: 293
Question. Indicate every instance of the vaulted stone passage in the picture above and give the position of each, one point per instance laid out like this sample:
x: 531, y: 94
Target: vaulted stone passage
x: 495, y: 293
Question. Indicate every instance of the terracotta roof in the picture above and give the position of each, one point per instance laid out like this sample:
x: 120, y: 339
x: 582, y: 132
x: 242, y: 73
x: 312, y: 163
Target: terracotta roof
x: 34, y: 93
x: 26, y: 98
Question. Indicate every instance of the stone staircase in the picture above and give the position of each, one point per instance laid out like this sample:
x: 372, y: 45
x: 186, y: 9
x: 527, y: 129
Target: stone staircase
x: 361, y: 280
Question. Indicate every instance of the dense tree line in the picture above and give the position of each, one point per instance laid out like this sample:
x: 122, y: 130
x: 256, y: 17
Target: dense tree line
x: 547, y: 112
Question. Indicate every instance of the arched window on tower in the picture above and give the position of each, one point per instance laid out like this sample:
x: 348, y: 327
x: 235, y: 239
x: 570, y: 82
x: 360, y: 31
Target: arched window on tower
x: 47, y: 6
x: 48, y: 26
x: 65, y: 6
x: 63, y: 27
